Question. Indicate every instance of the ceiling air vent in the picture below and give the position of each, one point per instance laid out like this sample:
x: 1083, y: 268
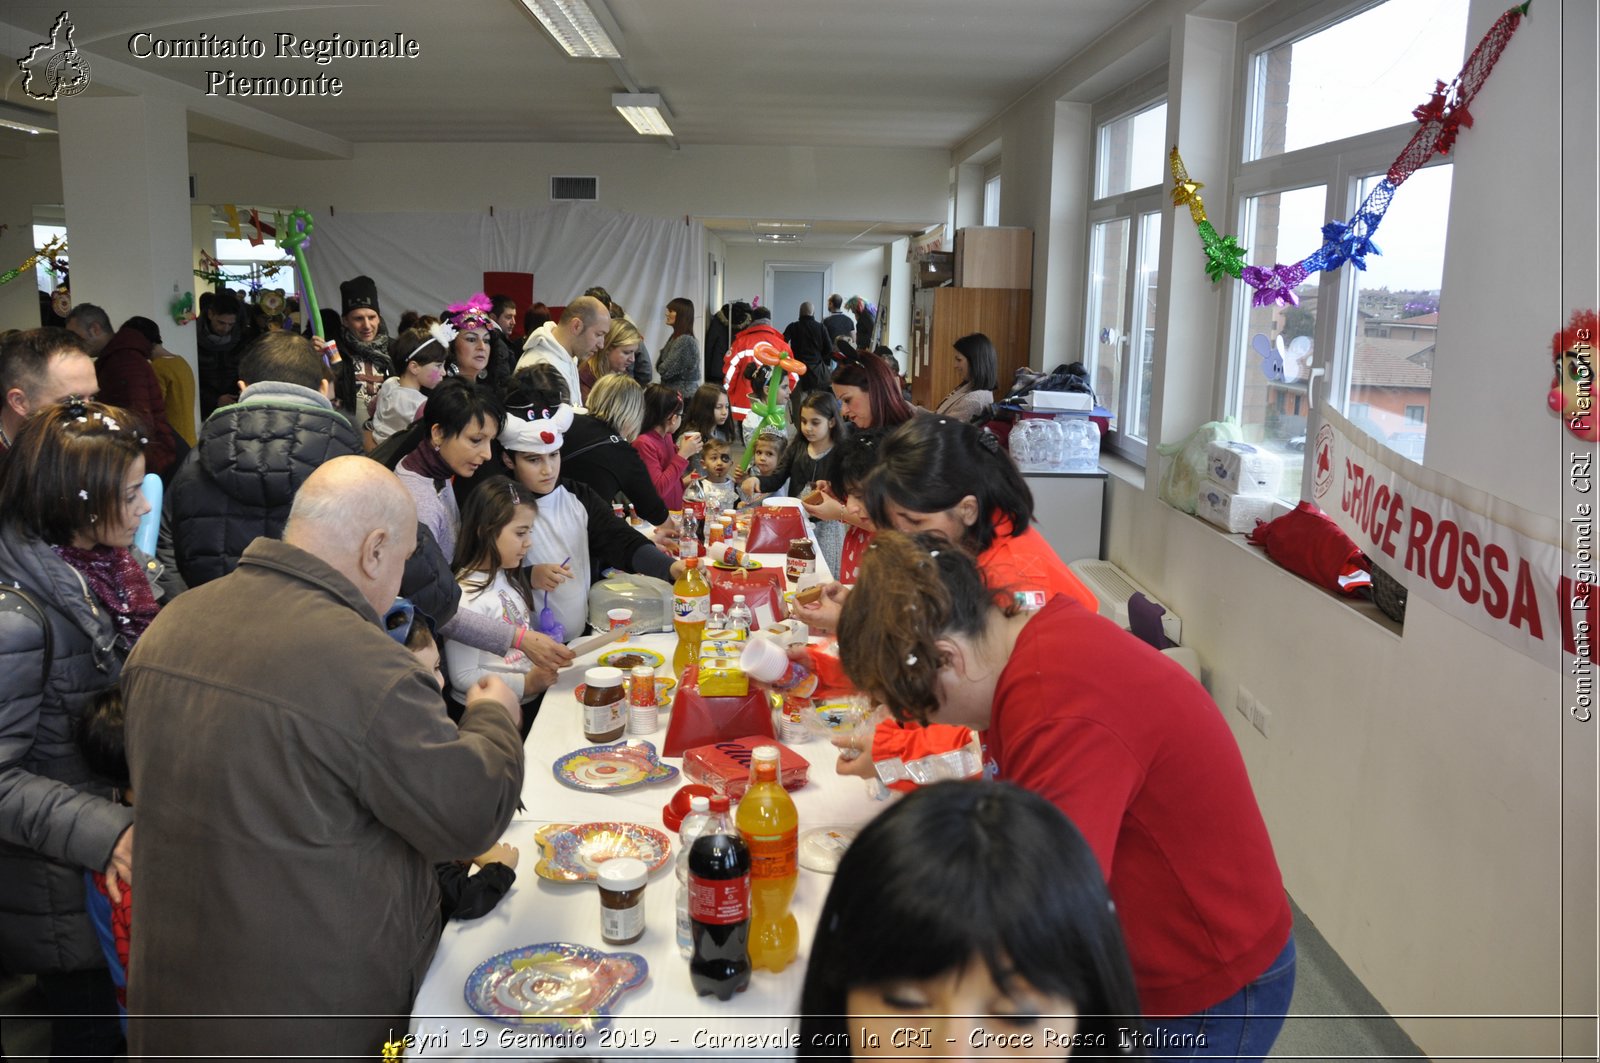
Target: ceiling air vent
x: 574, y: 188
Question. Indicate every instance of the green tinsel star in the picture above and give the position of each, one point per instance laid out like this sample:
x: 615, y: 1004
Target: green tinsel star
x: 1223, y: 253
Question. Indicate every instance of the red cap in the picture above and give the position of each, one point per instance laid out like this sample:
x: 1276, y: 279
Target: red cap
x: 719, y: 802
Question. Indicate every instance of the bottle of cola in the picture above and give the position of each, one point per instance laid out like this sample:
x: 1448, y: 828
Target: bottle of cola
x: 719, y: 906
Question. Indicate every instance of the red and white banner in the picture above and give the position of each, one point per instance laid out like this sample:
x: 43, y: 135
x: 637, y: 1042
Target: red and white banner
x: 1493, y: 565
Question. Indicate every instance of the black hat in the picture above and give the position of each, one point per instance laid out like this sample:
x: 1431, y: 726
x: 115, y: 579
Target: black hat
x: 358, y: 294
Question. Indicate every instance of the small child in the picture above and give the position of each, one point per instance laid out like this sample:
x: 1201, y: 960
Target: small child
x: 577, y: 534
x: 769, y: 448
x: 420, y: 355
x: 463, y: 895
x: 709, y: 414
x: 496, y: 529
x: 101, y: 740
x: 716, y: 456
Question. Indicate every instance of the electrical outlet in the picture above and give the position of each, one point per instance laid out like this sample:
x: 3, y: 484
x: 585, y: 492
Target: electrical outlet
x: 1245, y: 703
x: 1262, y: 720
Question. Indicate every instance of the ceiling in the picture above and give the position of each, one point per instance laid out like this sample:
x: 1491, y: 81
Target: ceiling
x: 826, y: 73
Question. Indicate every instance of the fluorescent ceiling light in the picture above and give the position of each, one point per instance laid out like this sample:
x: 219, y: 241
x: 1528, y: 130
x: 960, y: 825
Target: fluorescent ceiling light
x: 779, y: 226
x: 644, y: 111
x: 25, y: 120
x: 583, y: 32
x: 779, y: 238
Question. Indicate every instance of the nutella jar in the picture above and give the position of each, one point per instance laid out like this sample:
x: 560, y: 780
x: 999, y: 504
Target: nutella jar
x: 802, y: 560
x: 604, y: 711
x: 621, y: 881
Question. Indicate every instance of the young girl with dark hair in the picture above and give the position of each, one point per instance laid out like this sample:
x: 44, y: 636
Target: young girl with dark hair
x: 1128, y: 745
x: 496, y: 529
x: 419, y: 356
x: 937, y: 474
x: 667, y: 461
x: 969, y: 909
x: 709, y: 414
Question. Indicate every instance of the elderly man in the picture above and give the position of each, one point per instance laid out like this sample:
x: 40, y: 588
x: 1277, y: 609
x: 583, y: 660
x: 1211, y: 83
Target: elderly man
x: 564, y: 343
x: 40, y: 367
x: 297, y: 779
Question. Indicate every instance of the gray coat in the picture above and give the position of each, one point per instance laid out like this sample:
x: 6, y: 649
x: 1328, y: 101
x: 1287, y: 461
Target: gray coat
x: 297, y: 781
x: 56, y: 819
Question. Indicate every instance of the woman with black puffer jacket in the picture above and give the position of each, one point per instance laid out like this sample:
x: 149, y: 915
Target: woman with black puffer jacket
x: 75, y: 599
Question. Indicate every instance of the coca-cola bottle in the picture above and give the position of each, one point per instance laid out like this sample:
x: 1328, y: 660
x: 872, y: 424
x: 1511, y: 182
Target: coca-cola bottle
x: 719, y: 906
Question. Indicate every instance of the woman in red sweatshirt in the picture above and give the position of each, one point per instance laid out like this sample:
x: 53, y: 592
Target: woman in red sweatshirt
x: 1124, y: 742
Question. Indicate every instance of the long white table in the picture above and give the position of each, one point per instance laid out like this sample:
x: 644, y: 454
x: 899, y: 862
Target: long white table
x: 664, y: 1016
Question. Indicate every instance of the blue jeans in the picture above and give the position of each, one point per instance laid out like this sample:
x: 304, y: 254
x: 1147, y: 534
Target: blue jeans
x: 1243, y: 1027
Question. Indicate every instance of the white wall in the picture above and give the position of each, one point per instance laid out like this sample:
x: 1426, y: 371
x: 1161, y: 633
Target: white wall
x: 1414, y: 784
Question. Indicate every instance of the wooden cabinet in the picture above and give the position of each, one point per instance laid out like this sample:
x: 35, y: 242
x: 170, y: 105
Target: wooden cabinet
x: 940, y: 316
x: 994, y: 256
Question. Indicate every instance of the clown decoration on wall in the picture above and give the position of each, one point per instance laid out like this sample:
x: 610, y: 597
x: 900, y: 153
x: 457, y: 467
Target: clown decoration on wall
x: 1572, y: 390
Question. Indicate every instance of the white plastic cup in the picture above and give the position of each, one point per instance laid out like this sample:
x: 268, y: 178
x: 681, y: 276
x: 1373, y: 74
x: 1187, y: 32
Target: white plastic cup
x: 764, y: 659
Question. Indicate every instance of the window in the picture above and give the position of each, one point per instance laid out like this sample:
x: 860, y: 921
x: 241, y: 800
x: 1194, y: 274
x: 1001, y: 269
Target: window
x: 248, y: 267
x: 1326, y: 113
x: 1124, y: 240
x: 1362, y: 74
x: 991, y: 200
x: 43, y: 234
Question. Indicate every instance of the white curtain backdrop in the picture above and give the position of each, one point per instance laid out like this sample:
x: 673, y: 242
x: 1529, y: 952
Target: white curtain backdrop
x: 424, y: 262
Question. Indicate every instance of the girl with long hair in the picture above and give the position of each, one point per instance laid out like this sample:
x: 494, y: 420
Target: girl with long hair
x: 969, y: 909
x: 667, y: 461
x: 496, y: 530
x: 869, y: 394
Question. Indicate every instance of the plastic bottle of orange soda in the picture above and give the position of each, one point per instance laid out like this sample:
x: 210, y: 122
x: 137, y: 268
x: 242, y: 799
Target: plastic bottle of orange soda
x: 691, y: 607
x: 771, y: 827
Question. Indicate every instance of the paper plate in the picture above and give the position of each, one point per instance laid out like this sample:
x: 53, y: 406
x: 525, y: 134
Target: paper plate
x: 620, y: 657
x: 821, y: 848
x: 619, y: 766
x: 554, y: 987
x: 574, y: 852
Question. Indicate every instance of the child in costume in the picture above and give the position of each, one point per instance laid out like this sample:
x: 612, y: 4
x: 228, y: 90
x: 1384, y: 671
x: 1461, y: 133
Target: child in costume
x: 420, y: 354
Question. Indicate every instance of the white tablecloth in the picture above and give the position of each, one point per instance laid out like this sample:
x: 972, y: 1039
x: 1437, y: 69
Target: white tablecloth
x: 664, y: 1016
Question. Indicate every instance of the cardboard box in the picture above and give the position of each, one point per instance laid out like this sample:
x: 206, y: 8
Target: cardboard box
x: 1229, y: 511
x: 1061, y: 401
x: 725, y: 766
x: 1244, y: 469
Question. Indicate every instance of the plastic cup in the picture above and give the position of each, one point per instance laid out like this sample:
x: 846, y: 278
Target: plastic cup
x: 620, y: 618
x: 764, y: 660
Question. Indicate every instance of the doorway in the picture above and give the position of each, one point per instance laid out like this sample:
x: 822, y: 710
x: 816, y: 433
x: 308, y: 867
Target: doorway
x: 791, y: 283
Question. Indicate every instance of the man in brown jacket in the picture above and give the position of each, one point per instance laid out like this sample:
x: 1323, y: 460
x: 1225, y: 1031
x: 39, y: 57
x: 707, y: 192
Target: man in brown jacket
x: 297, y: 778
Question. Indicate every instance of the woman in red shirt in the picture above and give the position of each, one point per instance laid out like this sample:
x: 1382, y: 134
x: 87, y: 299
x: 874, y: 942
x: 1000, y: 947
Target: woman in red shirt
x: 938, y: 474
x: 1124, y: 742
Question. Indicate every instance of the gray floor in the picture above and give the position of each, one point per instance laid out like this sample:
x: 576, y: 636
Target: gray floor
x: 1332, y: 1016
x: 1350, y: 1024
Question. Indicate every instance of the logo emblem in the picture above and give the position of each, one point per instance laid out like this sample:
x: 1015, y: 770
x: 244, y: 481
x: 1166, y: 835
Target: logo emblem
x: 1324, y: 453
x: 55, y: 68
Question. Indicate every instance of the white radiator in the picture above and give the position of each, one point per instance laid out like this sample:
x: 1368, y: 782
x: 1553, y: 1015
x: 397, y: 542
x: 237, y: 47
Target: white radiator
x: 1113, y: 587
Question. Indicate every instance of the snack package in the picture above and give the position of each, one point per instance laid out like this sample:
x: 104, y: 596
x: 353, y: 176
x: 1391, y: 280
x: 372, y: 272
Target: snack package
x: 725, y: 766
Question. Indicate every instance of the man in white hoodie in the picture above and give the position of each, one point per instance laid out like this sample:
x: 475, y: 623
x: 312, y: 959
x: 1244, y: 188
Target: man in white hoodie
x: 579, y: 333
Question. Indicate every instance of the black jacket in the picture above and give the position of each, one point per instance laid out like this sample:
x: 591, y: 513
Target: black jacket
x: 594, y: 454
x: 811, y: 344
x: 240, y: 479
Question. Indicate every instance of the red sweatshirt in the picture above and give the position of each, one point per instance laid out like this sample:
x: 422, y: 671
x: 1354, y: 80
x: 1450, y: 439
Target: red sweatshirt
x: 1136, y: 753
x: 1025, y: 564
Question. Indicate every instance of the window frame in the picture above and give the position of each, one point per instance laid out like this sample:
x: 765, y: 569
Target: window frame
x: 1340, y: 166
x: 1134, y: 205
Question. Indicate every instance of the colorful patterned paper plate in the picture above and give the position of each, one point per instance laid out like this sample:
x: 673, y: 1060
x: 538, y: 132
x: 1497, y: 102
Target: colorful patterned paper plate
x: 554, y: 987
x: 625, y: 657
x: 574, y: 853
x: 619, y: 766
